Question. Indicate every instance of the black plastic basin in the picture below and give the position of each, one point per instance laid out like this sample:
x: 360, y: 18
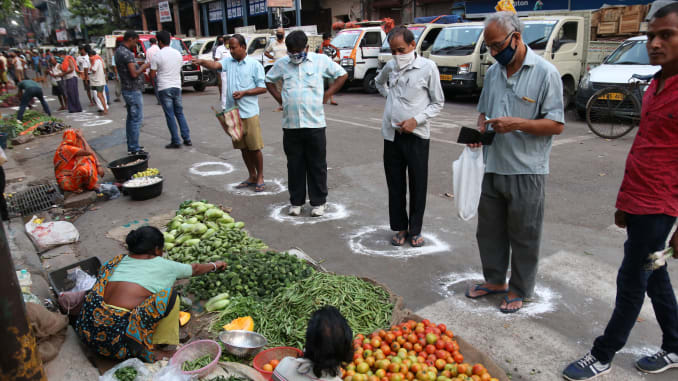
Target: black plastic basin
x: 123, y: 174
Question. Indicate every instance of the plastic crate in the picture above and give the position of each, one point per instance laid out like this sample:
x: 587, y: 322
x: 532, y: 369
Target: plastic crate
x: 58, y: 279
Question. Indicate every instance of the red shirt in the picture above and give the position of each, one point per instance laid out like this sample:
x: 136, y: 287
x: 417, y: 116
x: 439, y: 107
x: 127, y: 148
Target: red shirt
x: 650, y: 184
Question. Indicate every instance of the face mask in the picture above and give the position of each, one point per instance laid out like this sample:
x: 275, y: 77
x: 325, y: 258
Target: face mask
x: 402, y: 60
x: 219, y: 43
x: 280, y: 36
x: 505, y: 56
x: 297, y: 58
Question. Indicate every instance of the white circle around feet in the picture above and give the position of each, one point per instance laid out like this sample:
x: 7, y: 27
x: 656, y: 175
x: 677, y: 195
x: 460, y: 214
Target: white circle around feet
x: 225, y: 168
x: 333, y: 211
x: 376, y: 240
x: 98, y: 122
x: 542, y: 302
x: 274, y: 186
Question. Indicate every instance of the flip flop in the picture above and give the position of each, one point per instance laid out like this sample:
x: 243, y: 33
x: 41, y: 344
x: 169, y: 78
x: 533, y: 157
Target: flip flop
x: 245, y: 184
x: 509, y: 301
x: 395, y: 241
x: 479, y: 287
x: 333, y: 103
x: 260, y: 187
x: 415, y: 238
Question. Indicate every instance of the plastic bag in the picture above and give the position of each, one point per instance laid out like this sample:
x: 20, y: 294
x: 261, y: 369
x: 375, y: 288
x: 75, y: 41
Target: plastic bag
x: 3, y: 156
x: 171, y: 373
x: 143, y: 374
x: 83, y: 281
x: 110, y: 191
x: 467, y: 177
x: 51, y: 234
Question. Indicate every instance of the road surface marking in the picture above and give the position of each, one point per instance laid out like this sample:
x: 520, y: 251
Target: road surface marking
x: 274, y: 186
x: 379, y: 128
x: 333, y: 211
x: 574, y: 139
x: 195, y: 168
x: 357, y: 243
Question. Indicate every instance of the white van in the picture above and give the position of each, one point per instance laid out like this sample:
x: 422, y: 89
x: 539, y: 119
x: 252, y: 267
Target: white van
x: 359, y: 54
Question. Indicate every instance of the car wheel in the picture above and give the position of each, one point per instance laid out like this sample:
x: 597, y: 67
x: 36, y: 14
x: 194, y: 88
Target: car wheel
x: 369, y: 85
x: 200, y: 86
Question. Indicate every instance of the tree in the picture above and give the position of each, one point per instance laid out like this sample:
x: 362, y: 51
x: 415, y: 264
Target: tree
x: 7, y: 7
x: 91, y: 9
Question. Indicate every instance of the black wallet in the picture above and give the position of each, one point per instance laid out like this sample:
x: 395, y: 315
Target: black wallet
x: 472, y: 136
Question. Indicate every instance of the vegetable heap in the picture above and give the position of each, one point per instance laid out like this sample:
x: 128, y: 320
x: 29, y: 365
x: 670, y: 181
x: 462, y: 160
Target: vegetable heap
x: 127, y: 373
x: 147, y: 173
x: 196, y: 364
x: 34, y: 122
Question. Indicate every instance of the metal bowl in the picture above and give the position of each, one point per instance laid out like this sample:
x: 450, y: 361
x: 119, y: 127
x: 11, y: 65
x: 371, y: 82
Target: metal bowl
x: 242, y: 343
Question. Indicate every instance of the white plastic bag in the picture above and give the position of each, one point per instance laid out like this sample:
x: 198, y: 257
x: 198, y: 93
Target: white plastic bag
x: 143, y: 374
x: 171, y: 373
x: 467, y: 178
x: 83, y: 281
x: 51, y: 234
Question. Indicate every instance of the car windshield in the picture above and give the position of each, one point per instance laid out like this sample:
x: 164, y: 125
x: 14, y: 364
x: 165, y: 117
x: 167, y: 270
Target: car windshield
x: 176, y: 44
x: 457, y: 41
x: 537, y: 33
x: 346, y: 39
x: 195, y: 47
x: 416, y: 30
x: 629, y: 53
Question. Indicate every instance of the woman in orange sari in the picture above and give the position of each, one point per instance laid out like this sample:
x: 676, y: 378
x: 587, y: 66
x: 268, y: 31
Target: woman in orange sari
x: 75, y: 163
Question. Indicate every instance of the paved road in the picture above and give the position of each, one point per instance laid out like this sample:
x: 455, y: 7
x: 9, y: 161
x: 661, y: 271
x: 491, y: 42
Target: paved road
x: 580, y: 255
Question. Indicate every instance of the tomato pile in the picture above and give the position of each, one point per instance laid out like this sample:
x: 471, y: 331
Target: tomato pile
x: 270, y: 367
x: 411, y: 351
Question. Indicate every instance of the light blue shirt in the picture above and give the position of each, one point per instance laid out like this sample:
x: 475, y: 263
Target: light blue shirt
x: 303, y: 88
x: 243, y: 75
x: 535, y: 91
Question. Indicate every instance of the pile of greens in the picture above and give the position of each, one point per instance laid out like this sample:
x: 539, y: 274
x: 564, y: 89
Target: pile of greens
x: 127, y: 373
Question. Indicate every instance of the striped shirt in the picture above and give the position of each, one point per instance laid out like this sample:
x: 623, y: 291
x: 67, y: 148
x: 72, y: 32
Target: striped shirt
x: 303, y: 88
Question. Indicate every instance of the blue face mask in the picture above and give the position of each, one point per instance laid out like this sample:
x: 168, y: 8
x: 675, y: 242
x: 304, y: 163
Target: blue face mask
x: 297, y: 58
x: 59, y: 59
x: 505, y: 56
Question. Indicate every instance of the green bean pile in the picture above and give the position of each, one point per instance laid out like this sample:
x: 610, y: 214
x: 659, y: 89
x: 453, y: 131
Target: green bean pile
x: 196, y: 364
x: 127, y: 373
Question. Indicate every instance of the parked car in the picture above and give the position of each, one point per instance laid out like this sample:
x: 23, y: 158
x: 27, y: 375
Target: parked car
x: 616, y: 70
x: 202, y: 48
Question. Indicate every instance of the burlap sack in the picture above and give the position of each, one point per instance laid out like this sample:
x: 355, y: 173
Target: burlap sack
x: 49, y: 329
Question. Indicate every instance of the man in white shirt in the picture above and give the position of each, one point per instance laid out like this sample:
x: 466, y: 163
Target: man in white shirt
x: 166, y: 72
x: 83, y: 68
x: 275, y: 51
x: 221, y: 53
x: 150, y: 52
x: 97, y: 76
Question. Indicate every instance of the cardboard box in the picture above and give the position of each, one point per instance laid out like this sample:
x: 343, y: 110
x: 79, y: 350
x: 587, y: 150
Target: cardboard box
x: 608, y: 27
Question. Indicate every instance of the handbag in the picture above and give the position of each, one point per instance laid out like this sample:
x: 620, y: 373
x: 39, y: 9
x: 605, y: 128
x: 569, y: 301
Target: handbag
x: 231, y: 123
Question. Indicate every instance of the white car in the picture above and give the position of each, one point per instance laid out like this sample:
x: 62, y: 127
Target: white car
x: 202, y: 48
x: 628, y: 59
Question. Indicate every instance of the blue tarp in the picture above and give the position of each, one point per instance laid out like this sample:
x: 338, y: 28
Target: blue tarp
x: 448, y: 19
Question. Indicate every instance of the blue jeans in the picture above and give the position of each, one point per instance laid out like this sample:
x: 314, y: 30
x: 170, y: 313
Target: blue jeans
x: 646, y: 234
x: 30, y: 93
x: 170, y: 99
x: 135, y: 115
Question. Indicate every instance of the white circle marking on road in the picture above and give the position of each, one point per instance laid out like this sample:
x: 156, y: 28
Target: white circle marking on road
x: 333, y: 211
x: 274, y: 186
x: 97, y: 122
x: 543, y: 300
x: 195, y: 169
x: 356, y: 243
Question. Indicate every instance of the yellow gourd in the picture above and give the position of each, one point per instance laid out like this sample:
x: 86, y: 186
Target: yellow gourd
x: 184, y: 317
x: 245, y: 323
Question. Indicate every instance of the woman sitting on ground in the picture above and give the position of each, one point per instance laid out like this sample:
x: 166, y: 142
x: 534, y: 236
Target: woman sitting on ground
x: 133, y: 306
x: 328, y: 344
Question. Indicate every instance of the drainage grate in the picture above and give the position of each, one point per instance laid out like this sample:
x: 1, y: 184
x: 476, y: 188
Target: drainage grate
x: 32, y: 200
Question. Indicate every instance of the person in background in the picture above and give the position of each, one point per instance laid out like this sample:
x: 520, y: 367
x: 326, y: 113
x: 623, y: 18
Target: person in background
x: 525, y: 118
x: 166, y: 74
x: 246, y: 76
x: 18, y: 65
x: 44, y: 62
x: 70, y: 82
x: 83, y: 68
x: 132, y: 80
x: 134, y: 302
x: 304, y: 139
x: 275, y: 51
x: 222, y: 52
x: 4, y: 213
x: 27, y: 90
x: 329, y: 341
x: 55, y: 78
x: 97, y: 76
x: 331, y: 51
x: 647, y: 207
x: 150, y: 52
x: 406, y: 132
x: 3, y: 73
x: 116, y: 79
x: 36, y: 65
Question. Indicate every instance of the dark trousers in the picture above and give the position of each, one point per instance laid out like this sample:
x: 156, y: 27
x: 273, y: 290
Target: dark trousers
x: 306, y: 152
x: 406, y: 158
x: 30, y: 93
x: 4, y: 214
x: 645, y: 235
x: 72, y: 97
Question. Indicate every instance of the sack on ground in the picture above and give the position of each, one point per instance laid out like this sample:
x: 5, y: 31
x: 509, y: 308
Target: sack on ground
x: 49, y: 329
x: 467, y: 176
x: 231, y: 123
x: 48, y: 235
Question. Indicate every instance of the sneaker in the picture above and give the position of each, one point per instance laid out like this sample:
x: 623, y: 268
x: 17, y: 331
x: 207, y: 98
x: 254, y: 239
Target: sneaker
x: 139, y: 152
x: 658, y: 362
x: 318, y: 211
x: 173, y: 145
x: 294, y: 211
x: 188, y: 143
x: 586, y: 368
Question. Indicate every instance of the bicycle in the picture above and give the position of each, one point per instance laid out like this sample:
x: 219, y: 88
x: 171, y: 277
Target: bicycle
x: 614, y: 111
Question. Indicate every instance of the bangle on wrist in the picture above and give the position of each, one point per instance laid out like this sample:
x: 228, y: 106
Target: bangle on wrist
x: 215, y: 266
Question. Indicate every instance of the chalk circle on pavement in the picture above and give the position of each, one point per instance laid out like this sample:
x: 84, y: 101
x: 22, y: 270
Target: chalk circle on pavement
x: 453, y: 286
x: 98, y: 122
x: 274, y: 186
x: 223, y: 168
x: 333, y: 211
x: 376, y: 240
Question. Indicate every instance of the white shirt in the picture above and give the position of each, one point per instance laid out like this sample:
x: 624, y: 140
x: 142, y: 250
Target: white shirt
x: 167, y: 64
x: 83, y: 62
x: 152, y: 50
x: 18, y: 64
x: 221, y: 53
x: 279, y: 49
x: 56, y: 70
x: 97, y: 77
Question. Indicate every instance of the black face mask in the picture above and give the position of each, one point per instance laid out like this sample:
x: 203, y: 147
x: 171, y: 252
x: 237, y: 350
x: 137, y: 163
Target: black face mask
x: 219, y: 43
x: 280, y: 36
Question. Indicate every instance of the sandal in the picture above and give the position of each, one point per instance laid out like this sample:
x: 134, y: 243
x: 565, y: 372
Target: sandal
x: 488, y: 291
x: 245, y: 184
x: 509, y: 301
x: 414, y: 240
x: 399, y: 239
x: 260, y: 187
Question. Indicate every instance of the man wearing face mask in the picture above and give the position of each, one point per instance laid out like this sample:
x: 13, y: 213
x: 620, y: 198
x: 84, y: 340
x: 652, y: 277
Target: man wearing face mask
x: 411, y: 85
x: 522, y: 101
x: 275, y: 51
x: 304, y: 124
x: 219, y: 52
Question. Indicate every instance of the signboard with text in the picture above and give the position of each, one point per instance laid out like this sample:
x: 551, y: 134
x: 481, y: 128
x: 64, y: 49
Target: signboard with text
x: 164, y: 9
x: 480, y: 8
x: 215, y: 11
x: 61, y: 35
x: 233, y: 8
x: 280, y: 3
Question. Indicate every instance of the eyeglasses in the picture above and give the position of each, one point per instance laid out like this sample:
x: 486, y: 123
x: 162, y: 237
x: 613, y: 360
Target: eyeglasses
x: 498, y: 46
